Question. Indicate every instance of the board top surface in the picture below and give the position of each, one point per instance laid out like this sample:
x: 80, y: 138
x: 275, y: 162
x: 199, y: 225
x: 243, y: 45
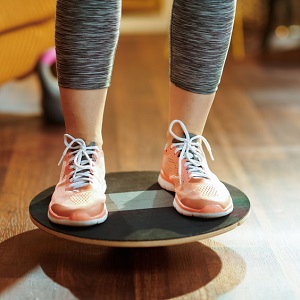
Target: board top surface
x: 141, y: 214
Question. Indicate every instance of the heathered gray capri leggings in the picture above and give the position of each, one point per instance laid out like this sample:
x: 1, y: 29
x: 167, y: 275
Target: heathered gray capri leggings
x: 87, y: 33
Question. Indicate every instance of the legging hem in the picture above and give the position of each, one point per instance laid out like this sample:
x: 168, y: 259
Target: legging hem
x: 73, y: 87
x: 193, y: 90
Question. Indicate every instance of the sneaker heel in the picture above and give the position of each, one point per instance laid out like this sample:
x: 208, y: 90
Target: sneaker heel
x: 165, y: 184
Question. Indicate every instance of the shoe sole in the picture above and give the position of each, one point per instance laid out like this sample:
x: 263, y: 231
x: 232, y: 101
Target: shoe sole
x: 185, y: 210
x: 68, y: 222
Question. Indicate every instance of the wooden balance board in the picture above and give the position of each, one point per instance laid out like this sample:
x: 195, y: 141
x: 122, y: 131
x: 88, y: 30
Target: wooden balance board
x: 141, y: 214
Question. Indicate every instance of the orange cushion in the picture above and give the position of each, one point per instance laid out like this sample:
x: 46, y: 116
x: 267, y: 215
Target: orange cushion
x: 20, y: 13
x: 21, y: 49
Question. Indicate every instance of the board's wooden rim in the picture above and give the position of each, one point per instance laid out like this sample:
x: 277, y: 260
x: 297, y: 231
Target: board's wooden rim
x: 141, y: 244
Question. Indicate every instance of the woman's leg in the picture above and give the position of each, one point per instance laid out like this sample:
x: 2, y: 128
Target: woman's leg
x: 191, y: 108
x: 86, y: 38
x: 83, y: 113
x: 200, y: 36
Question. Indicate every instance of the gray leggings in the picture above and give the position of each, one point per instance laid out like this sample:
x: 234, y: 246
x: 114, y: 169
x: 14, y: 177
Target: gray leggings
x: 87, y: 32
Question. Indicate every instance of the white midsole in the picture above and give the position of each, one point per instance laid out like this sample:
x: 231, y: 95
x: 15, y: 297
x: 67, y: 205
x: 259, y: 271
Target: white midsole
x: 79, y: 223
x: 201, y: 215
x: 168, y: 186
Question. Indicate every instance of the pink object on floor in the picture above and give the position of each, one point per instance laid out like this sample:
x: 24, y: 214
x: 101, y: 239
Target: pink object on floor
x: 49, y: 57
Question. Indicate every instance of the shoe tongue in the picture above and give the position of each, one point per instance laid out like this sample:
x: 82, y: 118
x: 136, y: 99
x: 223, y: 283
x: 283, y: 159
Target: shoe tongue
x: 191, y: 135
x: 91, y: 144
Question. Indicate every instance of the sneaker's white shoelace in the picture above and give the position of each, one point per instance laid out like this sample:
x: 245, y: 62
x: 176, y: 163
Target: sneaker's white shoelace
x: 191, y: 150
x: 80, y: 162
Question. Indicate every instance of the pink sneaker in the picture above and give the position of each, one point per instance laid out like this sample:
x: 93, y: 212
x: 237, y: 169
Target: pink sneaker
x: 184, y: 170
x: 79, y: 197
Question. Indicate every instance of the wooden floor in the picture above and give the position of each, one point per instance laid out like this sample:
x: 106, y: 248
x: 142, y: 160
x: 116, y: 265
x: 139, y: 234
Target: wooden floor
x: 254, y: 131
